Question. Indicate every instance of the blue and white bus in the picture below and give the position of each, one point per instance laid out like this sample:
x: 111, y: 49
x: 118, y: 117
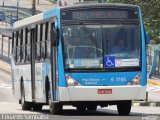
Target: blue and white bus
x: 68, y: 56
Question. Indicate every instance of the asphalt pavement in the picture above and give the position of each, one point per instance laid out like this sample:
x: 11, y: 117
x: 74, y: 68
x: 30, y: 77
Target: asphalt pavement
x: 8, y: 105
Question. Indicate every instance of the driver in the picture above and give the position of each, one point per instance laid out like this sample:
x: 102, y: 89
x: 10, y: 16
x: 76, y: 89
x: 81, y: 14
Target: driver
x: 120, y: 46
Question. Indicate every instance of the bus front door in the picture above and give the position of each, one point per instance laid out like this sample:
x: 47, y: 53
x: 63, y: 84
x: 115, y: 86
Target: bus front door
x: 33, y: 41
x: 54, y: 73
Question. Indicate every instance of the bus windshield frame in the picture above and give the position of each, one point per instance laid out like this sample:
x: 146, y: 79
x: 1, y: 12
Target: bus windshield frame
x: 117, y: 24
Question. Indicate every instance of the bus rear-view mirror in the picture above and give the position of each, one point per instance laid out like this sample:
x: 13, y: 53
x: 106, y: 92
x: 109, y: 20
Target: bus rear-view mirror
x: 55, y: 37
x: 147, y: 37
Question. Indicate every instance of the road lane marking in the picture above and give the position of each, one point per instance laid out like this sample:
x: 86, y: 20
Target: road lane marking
x: 153, y: 88
x: 3, y: 85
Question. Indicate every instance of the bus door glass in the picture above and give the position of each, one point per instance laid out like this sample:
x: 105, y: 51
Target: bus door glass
x: 53, y: 55
x: 33, y: 38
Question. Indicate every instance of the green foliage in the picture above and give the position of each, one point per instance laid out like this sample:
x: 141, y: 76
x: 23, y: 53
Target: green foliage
x: 151, y: 15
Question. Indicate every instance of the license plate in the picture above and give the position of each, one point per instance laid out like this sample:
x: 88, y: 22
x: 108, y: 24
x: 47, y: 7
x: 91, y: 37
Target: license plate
x: 104, y: 91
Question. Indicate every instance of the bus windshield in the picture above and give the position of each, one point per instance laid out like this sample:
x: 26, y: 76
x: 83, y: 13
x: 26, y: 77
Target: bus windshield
x: 101, y: 46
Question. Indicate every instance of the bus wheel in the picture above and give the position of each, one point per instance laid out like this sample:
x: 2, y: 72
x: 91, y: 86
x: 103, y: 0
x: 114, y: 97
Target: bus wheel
x: 124, y: 107
x: 92, y: 107
x: 81, y: 108
x: 55, y: 108
x: 37, y: 107
x: 25, y: 105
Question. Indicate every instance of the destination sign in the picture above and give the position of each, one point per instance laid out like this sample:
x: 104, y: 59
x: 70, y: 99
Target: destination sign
x: 93, y: 14
x: 99, y: 14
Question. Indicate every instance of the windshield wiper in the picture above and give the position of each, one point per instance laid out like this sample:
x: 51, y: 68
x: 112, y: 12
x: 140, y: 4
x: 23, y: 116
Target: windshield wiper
x: 83, y: 26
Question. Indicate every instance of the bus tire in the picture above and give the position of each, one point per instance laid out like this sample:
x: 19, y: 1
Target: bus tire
x: 124, y: 107
x: 37, y: 107
x: 55, y: 108
x: 47, y: 88
x: 81, y: 108
x: 25, y: 105
x: 92, y: 107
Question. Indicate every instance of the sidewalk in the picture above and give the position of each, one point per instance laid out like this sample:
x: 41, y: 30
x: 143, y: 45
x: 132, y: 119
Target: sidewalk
x: 154, y: 81
x: 5, y: 67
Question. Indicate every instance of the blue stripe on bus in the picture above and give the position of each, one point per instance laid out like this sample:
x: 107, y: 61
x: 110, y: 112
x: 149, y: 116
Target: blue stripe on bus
x: 103, y: 79
x: 61, y: 76
x: 144, y: 61
x: 50, y: 13
x: 62, y: 80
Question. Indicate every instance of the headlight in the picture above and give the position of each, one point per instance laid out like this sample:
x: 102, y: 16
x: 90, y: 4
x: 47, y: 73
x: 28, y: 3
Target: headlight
x: 136, y: 80
x: 71, y: 81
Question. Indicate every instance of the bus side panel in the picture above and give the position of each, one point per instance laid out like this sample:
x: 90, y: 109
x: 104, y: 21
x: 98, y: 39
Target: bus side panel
x: 61, y: 73
x: 25, y: 71
x: 42, y: 71
x: 39, y: 87
x: 22, y: 72
x: 144, y: 61
x: 17, y: 81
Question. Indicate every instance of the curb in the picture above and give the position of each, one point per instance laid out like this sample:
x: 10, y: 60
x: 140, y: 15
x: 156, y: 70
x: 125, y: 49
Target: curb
x: 154, y: 82
x: 142, y: 103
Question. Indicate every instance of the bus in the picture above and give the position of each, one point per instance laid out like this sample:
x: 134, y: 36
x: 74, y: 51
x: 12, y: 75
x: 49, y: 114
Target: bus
x: 64, y: 56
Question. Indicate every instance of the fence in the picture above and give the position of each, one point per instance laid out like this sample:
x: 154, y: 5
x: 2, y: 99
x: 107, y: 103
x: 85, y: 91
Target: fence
x: 5, y: 47
x: 153, y: 60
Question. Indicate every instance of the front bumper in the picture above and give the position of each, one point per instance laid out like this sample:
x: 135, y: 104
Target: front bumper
x: 89, y: 93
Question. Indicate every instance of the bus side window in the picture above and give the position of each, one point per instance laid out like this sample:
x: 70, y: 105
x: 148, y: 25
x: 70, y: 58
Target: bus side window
x: 42, y: 50
x: 26, y: 37
x: 47, y: 40
x: 28, y: 46
x: 21, y: 47
x: 43, y: 43
x: 13, y: 40
x: 14, y: 46
x: 17, y: 47
x: 38, y: 43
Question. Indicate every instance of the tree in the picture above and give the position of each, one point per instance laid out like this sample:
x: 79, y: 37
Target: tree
x: 151, y: 15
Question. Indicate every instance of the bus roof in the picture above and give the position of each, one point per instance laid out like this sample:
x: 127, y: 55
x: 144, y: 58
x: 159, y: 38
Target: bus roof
x: 110, y: 5
x: 40, y: 17
x: 28, y: 21
x: 36, y: 18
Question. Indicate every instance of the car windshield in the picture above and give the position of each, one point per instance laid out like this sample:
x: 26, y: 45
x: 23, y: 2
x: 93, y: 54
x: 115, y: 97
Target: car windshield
x: 101, y: 46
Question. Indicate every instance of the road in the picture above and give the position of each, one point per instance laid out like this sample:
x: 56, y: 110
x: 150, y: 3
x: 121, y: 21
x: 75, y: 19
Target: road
x: 8, y: 104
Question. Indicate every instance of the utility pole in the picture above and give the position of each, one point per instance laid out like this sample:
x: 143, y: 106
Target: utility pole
x: 37, y: 1
x: 33, y: 7
x: 3, y: 3
x: 17, y: 9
